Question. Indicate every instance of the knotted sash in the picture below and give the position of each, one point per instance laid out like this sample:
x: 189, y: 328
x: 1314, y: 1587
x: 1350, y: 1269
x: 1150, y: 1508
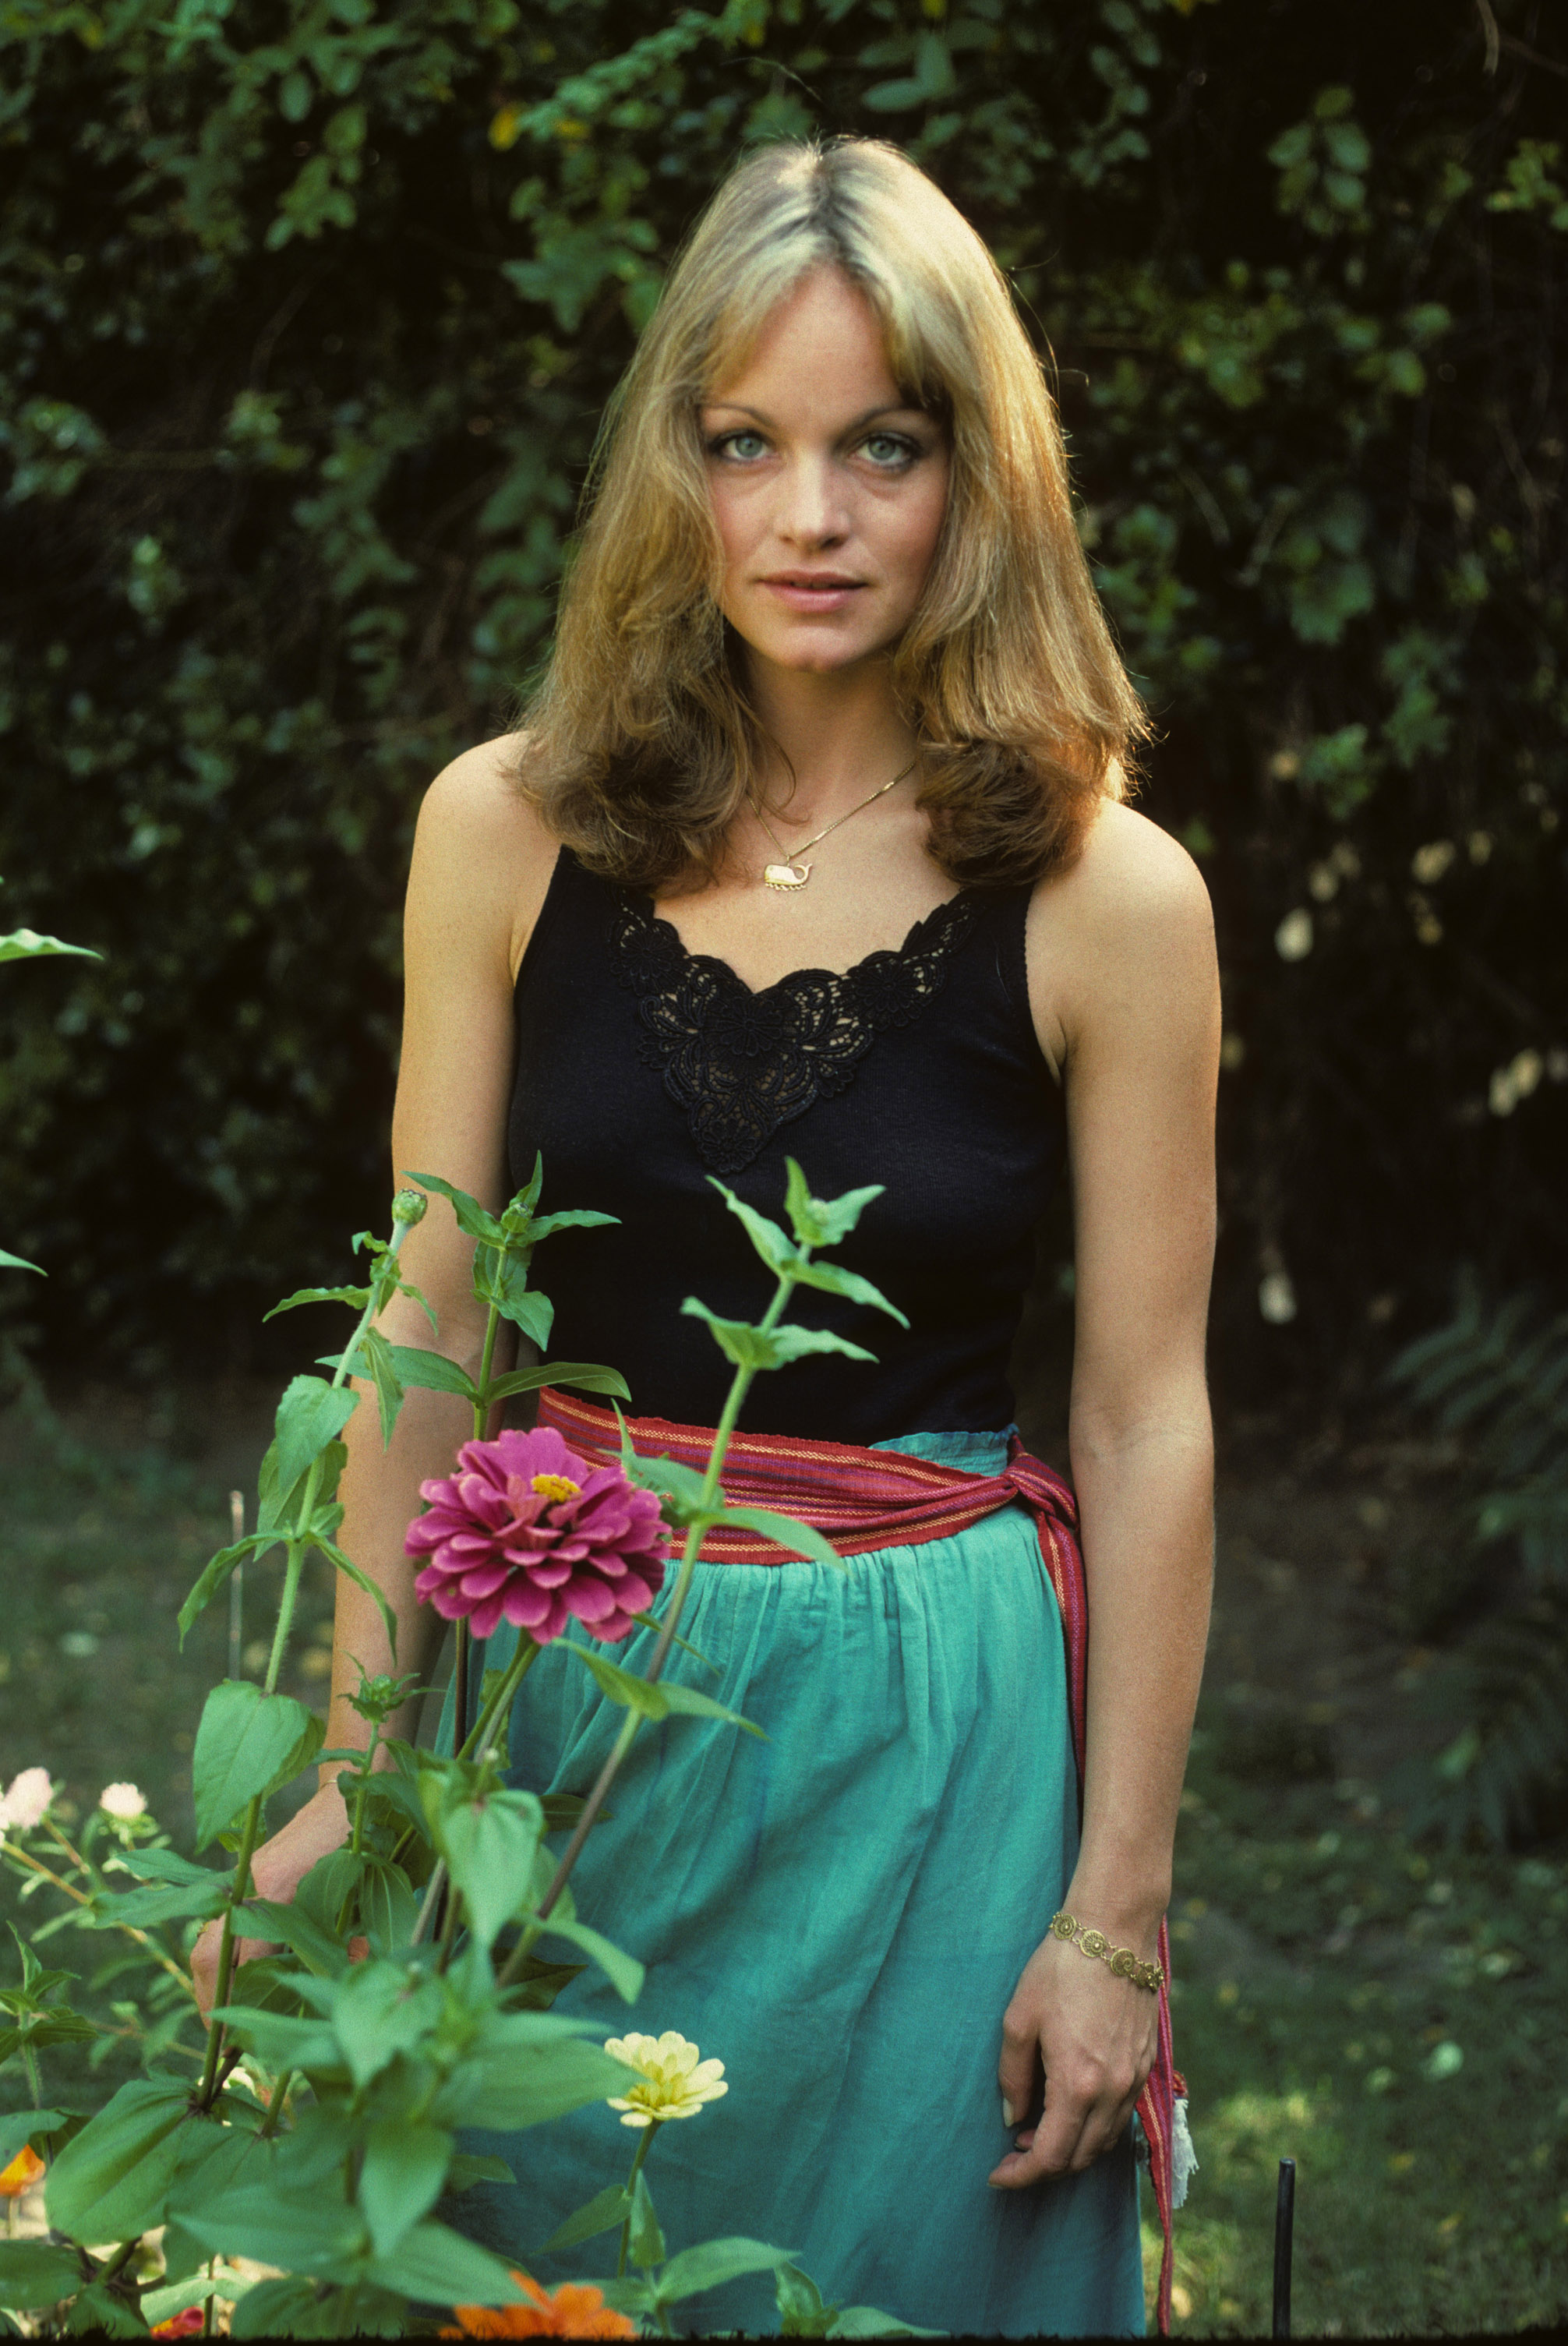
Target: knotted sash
x: 861, y: 1500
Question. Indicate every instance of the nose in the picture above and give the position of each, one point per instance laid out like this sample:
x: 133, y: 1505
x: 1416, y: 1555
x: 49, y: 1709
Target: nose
x: 813, y: 509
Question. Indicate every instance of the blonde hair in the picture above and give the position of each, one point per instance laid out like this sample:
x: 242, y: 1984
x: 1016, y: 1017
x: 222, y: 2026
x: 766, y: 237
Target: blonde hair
x: 642, y: 745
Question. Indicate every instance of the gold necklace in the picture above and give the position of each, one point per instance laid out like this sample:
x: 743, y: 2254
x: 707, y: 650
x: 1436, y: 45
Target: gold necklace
x: 790, y: 871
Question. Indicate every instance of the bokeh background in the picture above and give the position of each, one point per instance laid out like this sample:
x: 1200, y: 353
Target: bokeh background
x: 310, y: 312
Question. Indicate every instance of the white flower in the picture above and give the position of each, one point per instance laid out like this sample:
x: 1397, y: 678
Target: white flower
x: 676, y: 2082
x: 1293, y: 937
x: 27, y: 1802
x: 122, y: 1800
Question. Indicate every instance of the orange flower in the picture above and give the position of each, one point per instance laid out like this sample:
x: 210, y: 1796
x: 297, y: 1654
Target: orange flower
x: 187, y: 2325
x: 22, y: 2174
x: 574, y: 2311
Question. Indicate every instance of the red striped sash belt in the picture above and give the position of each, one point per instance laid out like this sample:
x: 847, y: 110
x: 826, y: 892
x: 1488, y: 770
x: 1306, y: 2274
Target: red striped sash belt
x: 866, y: 1499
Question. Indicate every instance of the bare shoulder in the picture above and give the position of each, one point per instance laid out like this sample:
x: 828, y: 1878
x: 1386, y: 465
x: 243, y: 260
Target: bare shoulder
x: 1129, y: 921
x: 482, y: 856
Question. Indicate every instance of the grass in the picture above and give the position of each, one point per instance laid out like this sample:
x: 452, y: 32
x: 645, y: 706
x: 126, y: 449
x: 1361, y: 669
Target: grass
x: 1391, y: 2018
x: 1388, y: 2017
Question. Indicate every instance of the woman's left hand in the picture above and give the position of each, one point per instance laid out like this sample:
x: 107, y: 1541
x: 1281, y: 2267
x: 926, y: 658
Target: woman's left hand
x: 1095, y: 2036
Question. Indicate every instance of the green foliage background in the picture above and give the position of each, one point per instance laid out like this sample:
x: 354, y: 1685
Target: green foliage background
x: 307, y: 313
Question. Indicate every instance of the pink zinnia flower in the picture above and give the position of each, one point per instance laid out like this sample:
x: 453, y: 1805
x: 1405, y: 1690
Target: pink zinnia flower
x: 527, y: 1532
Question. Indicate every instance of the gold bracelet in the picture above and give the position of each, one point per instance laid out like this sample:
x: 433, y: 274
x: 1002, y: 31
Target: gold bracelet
x: 1123, y: 1960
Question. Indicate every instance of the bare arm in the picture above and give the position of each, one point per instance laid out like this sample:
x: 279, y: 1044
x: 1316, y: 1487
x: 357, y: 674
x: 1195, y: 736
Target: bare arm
x: 481, y: 869
x: 1127, y: 999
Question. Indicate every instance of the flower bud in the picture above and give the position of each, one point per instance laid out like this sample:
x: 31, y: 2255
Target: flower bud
x: 410, y: 1206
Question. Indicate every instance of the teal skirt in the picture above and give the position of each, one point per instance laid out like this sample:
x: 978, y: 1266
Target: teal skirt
x: 840, y: 1915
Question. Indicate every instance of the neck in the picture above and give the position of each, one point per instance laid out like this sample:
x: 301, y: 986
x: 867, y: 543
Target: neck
x: 831, y: 738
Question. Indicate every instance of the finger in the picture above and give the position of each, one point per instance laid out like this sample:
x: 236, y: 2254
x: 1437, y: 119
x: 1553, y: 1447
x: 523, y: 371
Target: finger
x: 1046, y: 2149
x: 1018, y: 2071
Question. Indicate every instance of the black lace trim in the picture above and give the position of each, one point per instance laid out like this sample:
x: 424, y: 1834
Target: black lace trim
x: 742, y: 1063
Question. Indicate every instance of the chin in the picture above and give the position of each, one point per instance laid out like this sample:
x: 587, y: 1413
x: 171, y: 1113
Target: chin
x: 819, y: 654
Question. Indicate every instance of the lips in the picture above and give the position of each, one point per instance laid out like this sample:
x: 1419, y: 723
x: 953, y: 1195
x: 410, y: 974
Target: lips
x: 821, y: 581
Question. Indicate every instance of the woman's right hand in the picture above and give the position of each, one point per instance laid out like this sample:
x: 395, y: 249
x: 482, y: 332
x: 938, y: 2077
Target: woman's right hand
x: 277, y: 1870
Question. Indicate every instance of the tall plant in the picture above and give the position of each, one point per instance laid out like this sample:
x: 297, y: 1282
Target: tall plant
x: 314, y: 2127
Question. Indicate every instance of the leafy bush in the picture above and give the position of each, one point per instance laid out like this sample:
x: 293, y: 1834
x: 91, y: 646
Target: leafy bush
x: 1497, y: 1375
x: 310, y: 313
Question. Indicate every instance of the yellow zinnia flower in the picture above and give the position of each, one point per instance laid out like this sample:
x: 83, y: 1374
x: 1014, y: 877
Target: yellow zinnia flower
x: 675, y: 2081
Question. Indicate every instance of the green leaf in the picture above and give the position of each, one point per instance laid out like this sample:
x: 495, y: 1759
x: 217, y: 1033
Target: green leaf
x: 401, y: 2178
x: 646, y: 2241
x: 489, y: 1848
x: 283, y: 2042
x: 100, y: 2314
x: 248, y: 1744
x: 713, y: 2263
x: 823, y: 1221
x: 467, y: 2168
x: 111, y: 2180
x: 785, y: 1530
x: 802, y: 2313
x: 652, y: 1621
x: 19, y: 1262
x: 378, y: 1354
x: 18, y: 2127
x: 313, y: 2231
x: 163, y: 2304
x: 867, y: 2321
x: 277, y: 1504
x: 624, y: 1971
x: 388, y: 1906
x: 502, y: 1280
x: 26, y: 944
x: 605, y: 2212
x: 352, y: 1571
x: 431, y: 1371
x: 525, y: 2069
x: 472, y: 1216
x: 294, y: 1928
x: 216, y: 1572
x: 167, y: 1865
x: 379, y: 2010
x: 356, y: 1296
x: 33, y: 2275
x: 440, y: 2265
x: 160, y: 1901
x: 658, y: 1699
x: 311, y: 1414
x: 769, y: 1239
x: 754, y: 1348
x: 833, y: 1279
x: 587, y: 1376
x: 579, y: 1217
x: 276, y: 2309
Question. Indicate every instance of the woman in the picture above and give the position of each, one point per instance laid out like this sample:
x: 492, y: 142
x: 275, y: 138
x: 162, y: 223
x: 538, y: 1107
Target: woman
x: 816, y: 846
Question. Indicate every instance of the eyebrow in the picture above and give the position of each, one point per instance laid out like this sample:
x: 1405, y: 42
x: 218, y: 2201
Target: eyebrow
x: 890, y: 407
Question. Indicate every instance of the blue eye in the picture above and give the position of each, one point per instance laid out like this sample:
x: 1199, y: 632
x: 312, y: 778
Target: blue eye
x: 890, y: 450
x: 745, y: 448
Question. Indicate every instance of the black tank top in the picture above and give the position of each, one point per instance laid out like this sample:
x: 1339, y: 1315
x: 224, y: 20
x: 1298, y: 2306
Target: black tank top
x: 643, y: 1069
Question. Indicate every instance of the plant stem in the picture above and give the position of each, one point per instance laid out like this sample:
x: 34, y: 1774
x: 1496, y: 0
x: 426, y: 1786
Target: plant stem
x: 433, y: 1890
x: 35, y: 1865
x: 738, y: 1387
x: 643, y: 2149
x: 363, y: 1786
x: 281, y: 2085
x: 521, y: 1662
x: 298, y: 1546
x: 461, y: 1642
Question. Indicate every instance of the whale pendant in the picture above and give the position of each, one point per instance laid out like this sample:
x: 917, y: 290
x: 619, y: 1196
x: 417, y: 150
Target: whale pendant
x: 786, y: 875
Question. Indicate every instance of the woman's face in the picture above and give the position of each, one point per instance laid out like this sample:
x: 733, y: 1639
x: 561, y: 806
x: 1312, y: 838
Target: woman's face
x: 829, y: 491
